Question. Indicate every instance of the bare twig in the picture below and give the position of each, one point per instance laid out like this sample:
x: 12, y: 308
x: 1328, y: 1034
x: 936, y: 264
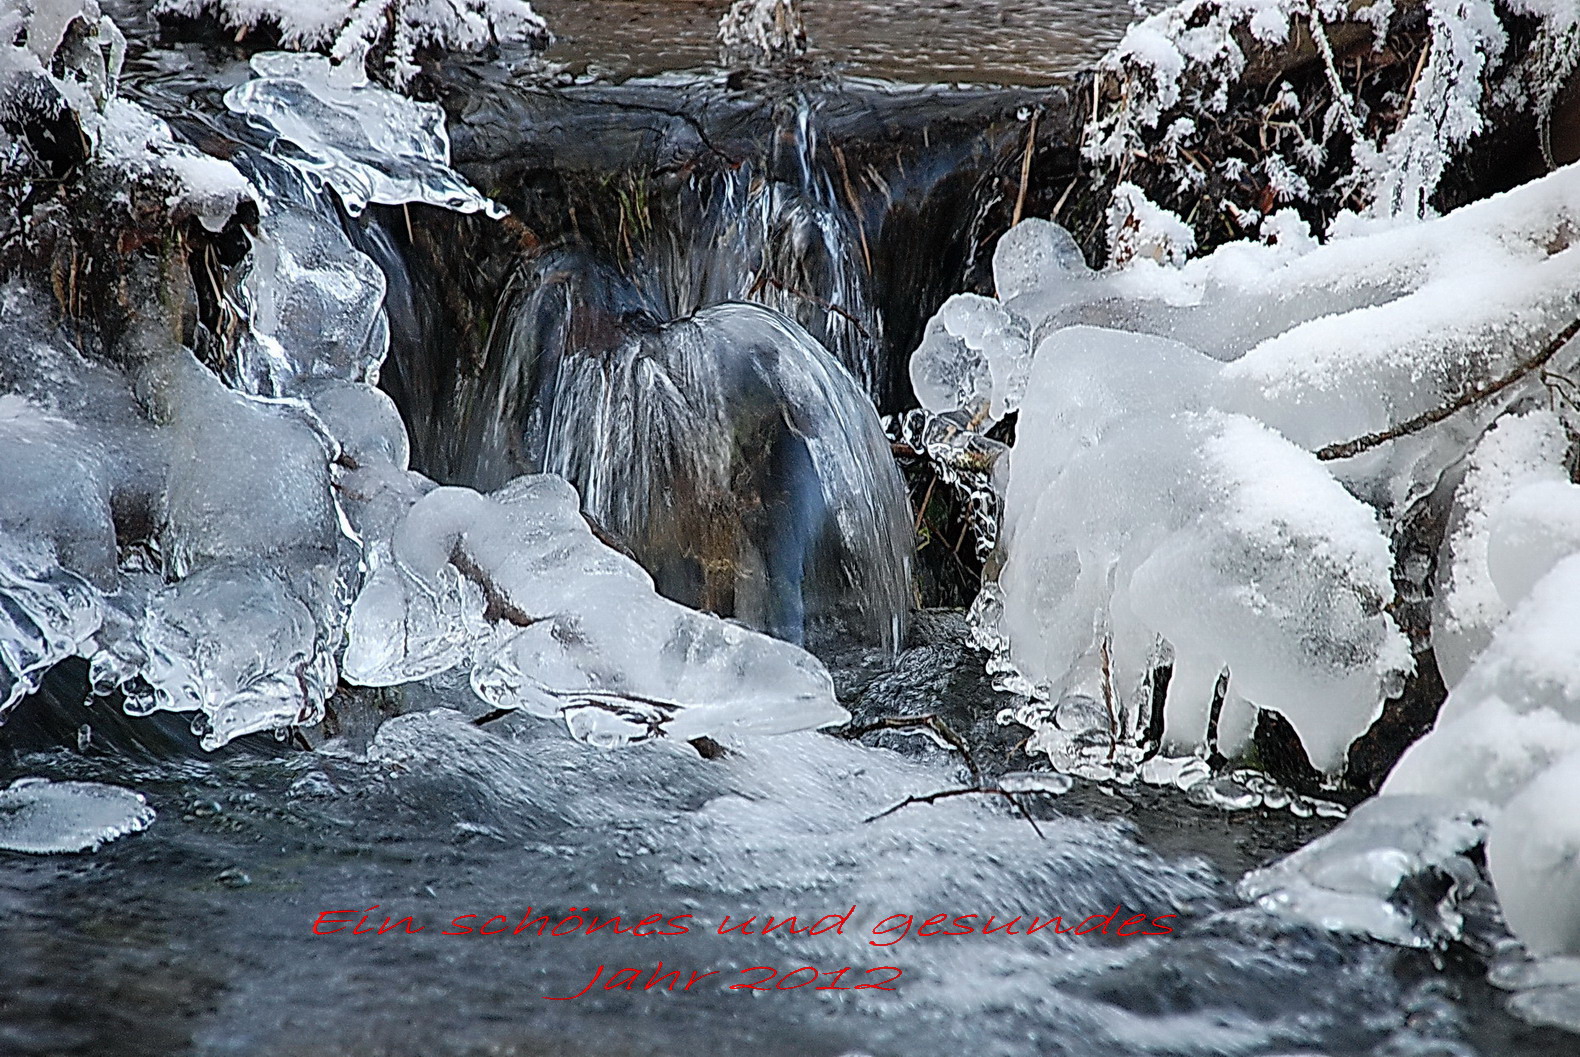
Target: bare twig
x: 947, y: 793
x: 930, y: 722
x: 1065, y: 197
x: 855, y: 207
x: 489, y: 717
x: 499, y: 605
x: 1025, y: 169
x: 1349, y: 448
x: 921, y: 511
x: 1107, y: 652
x: 827, y: 306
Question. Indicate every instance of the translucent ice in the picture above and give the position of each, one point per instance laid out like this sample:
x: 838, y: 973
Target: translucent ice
x: 555, y: 622
x: 1130, y: 513
x: 1509, y: 734
x: 1157, y: 495
x: 976, y: 352
x: 316, y: 304
x: 42, y: 817
x: 1354, y: 879
x: 369, y: 144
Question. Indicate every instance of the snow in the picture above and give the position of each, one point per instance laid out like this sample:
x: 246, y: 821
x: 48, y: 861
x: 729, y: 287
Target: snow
x: 126, y: 139
x: 352, y: 29
x: 1489, y: 753
x: 1508, y: 737
x: 1188, y: 56
x: 1531, y: 854
x: 1519, y: 449
x: 1140, y: 229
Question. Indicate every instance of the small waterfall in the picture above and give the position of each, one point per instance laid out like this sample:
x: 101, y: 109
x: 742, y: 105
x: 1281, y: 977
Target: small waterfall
x: 733, y: 454
x: 752, y: 480
x: 701, y: 366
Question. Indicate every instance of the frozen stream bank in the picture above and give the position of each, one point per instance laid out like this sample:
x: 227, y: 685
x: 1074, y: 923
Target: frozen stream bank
x: 459, y: 511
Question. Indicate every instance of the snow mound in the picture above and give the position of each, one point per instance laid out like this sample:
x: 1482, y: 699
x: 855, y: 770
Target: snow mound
x: 1207, y: 479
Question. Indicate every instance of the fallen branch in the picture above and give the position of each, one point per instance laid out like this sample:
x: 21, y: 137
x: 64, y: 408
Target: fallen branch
x: 947, y: 793
x: 930, y: 722
x: 1349, y: 448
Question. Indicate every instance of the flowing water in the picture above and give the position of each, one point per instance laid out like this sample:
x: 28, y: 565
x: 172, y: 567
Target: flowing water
x: 1030, y: 42
x: 539, y: 347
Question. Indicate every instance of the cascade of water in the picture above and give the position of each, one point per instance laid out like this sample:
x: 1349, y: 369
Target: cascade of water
x: 732, y: 454
x: 707, y: 391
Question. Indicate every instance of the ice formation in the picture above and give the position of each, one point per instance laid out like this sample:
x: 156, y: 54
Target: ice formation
x: 1207, y: 480
x: 391, y: 30
x: 1171, y: 460
x: 552, y: 621
x: 1506, y: 746
x: 43, y: 817
x: 369, y: 144
x: 1181, y: 495
x: 229, y: 536
x: 1358, y: 878
x: 1145, y: 521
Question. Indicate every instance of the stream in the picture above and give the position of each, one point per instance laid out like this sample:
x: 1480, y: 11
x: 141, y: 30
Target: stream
x: 786, y: 243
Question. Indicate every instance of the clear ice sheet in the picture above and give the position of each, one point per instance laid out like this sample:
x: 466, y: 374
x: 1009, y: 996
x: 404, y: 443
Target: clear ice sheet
x: 368, y: 143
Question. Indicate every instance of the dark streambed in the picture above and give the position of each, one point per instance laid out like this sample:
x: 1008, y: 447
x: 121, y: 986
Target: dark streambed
x: 1029, y: 42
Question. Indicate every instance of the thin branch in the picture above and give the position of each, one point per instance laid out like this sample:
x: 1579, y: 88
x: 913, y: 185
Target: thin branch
x: 827, y: 306
x: 947, y: 793
x: 1349, y: 448
x: 1107, y: 653
x: 855, y: 207
x: 1025, y: 169
x: 489, y: 717
x: 499, y: 606
x: 930, y: 722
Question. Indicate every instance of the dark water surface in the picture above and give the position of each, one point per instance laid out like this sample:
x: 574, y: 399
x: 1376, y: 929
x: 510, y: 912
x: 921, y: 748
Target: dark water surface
x: 1026, y: 42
